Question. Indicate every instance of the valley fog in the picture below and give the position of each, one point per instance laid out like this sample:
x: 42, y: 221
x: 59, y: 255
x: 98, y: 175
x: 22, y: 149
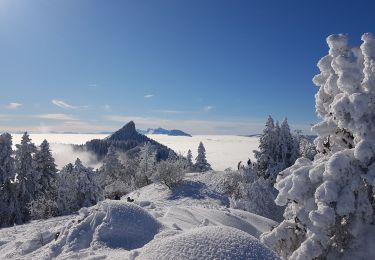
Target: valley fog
x: 223, y: 151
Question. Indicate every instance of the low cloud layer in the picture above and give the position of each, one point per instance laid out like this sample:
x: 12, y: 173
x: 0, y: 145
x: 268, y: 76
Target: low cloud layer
x: 63, y: 117
x: 65, y: 153
x: 62, y: 123
x: 201, y: 126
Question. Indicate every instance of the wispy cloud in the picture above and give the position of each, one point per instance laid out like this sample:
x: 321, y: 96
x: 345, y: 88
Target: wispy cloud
x: 63, y: 104
x: 63, y: 117
x: 148, y: 96
x: 208, y: 108
x: 13, y: 105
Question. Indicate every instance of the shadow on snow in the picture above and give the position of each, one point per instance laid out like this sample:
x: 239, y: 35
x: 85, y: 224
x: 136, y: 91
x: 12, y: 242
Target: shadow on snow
x: 198, y: 191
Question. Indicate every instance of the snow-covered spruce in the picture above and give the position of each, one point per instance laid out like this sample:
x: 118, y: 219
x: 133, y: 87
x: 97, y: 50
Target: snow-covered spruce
x: 189, y: 158
x: 253, y: 190
x: 27, y: 178
x: 278, y: 149
x: 113, y: 176
x: 9, y: 209
x: 44, y: 204
x: 77, y: 187
x: 330, y: 201
x: 201, y: 164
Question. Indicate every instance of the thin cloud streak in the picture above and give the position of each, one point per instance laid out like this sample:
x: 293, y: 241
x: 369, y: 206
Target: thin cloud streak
x: 148, y: 96
x: 13, y: 105
x: 63, y: 104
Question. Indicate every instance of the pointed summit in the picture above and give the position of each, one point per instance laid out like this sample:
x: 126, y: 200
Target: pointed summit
x: 128, y: 131
x: 126, y: 140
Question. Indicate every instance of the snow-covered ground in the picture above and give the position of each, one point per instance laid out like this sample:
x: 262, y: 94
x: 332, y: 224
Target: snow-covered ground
x: 191, y: 222
x: 223, y: 151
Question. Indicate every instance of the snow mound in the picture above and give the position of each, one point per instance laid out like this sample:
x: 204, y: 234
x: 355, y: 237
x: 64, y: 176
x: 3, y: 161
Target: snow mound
x: 110, y: 224
x: 192, y: 217
x: 211, y: 242
x: 126, y: 226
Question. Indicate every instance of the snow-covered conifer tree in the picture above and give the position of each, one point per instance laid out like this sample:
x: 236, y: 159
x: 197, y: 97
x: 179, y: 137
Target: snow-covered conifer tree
x: 290, y: 145
x: 27, y: 178
x: 189, y: 158
x: 267, y: 146
x: 44, y: 164
x: 89, y: 190
x: 9, y: 208
x: 6, y: 160
x: 278, y: 149
x: 44, y: 204
x: 78, y: 186
x: 113, y: 175
x: 330, y: 201
x: 67, y: 188
x: 307, y: 148
x: 201, y: 164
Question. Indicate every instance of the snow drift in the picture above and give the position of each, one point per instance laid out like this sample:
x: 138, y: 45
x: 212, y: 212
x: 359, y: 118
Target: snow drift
x: 208, y: 243
x: 108, y: 225
x: 114, y: 224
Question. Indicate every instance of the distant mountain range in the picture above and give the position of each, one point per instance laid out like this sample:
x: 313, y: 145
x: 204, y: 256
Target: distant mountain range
x: 162, y: 131
x: 127, y: 140
x: 149, y: 131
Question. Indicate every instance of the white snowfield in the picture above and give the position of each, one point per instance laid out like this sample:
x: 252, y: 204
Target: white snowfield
x: 190, y: 222
x: 222, y: 151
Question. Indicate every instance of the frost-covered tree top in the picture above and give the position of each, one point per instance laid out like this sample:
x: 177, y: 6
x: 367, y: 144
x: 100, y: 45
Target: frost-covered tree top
x: 330, y: 201
x: 44, y: 161
x: 189, y: 157
x: 24, y: 155
x: 278, y: 149
x: 44, y: 165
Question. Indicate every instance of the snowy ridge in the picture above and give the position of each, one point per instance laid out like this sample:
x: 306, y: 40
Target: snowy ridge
x: 191, y: 222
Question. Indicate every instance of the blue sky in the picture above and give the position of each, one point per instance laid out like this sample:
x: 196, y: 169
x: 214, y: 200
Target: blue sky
x: 206, y: 67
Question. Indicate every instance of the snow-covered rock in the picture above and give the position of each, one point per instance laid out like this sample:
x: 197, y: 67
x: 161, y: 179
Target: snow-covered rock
x: 208, y: 243
x: 113, y: 224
